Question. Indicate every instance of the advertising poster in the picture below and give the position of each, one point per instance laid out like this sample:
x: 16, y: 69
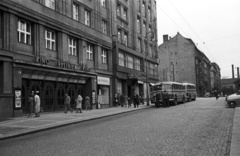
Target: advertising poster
x: 18, y: 99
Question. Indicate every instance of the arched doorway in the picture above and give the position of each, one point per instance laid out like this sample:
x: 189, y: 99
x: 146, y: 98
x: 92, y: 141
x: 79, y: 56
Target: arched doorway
x: 60, y: 94
x: 48, y: 104
x: 72, y: 93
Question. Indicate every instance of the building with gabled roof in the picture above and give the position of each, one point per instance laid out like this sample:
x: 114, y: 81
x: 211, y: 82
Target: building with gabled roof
x: 182, y: 61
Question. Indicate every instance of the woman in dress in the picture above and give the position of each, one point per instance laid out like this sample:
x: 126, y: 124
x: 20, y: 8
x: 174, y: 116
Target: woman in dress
x: 79, y: 104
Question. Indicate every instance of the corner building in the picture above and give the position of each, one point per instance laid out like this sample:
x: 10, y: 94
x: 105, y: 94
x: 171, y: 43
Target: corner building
x: 135, y: 57
x: 182, y: 61
x: 54, y: 47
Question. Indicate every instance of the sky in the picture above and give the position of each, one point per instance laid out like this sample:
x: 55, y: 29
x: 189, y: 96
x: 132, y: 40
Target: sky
x: 213, y: 25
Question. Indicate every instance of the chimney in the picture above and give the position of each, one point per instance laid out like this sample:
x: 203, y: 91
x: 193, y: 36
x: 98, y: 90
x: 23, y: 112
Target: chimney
x: 232, y: 71
x: 165, y: 38
x: 238, y: 72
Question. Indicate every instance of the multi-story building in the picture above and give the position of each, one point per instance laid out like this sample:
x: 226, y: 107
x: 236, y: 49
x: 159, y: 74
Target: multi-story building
x: 95, y: 48
x: 134, y: 46
x: 215, y: 77
x: 54, y: 47
x: 182, y: 61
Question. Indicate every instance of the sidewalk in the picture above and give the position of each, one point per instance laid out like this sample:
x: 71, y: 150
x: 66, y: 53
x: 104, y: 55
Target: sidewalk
x: 235, y: 141
x: 14, y: 127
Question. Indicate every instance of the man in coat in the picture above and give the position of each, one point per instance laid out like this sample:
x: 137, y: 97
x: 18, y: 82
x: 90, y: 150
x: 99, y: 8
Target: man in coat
x: 67, y: 103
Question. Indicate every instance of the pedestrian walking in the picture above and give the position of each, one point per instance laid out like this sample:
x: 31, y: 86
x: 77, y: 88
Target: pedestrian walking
x: 129, y: 102
x: 79, y: 104
x: 30, y: 105
x: 67, y: 103
x: 216, y: 94
x: 87, y: 103
x: 37, y: 103
x: 116, y: 100
x: 122, y: 100
x: 125, y: 100
x: 157, y: 105
x: 135, y: 100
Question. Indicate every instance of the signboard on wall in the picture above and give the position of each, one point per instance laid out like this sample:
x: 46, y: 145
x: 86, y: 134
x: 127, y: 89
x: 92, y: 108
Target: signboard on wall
x: 18, y: 98
x: 103, y: 80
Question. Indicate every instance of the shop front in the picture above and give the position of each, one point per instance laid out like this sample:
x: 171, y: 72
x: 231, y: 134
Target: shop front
x: 103, y: 91
x: 51, y: 84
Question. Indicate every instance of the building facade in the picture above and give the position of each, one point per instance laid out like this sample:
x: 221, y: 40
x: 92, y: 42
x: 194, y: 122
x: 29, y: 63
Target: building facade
x: 182, y: 61
x: 54, y: 47
x: 215, y: 77
x: 135, y: 56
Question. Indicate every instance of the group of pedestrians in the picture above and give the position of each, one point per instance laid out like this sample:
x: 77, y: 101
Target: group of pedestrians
x: 78, y: 102
x: 125, y: 101
x: 34, y: 104
x: 165, y: 99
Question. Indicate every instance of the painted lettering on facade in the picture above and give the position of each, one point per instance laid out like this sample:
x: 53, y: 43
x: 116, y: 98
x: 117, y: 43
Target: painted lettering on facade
x: 42, y: 60
x: 66, y: 65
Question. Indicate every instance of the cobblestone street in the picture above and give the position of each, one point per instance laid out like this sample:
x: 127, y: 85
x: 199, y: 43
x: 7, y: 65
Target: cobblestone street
x: 201, y: 127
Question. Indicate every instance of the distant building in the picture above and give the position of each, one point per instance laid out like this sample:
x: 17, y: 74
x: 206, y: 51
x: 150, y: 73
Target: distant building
x: 215, y: 77
x: 182, y: 61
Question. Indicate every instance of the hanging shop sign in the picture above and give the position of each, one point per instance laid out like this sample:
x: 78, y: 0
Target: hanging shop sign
x: 103, y: 80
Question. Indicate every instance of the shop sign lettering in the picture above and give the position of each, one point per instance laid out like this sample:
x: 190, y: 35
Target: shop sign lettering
x: 66, y: 65
x: 42, y: 60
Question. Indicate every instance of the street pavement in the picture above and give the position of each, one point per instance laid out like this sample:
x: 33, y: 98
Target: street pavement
x: 15, y: 127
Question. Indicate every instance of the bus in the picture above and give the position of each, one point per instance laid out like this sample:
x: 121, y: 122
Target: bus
x: 175, y: 90
x: 190, y: 91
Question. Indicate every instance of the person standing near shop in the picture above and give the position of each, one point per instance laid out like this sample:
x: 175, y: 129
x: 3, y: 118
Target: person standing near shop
x: 79, y: 104
x: 37, y: 103
x: 30, y: 104
x: 135, y: 100
x: 122, y: 100
x: 67, y: 103
x: 87, y: 103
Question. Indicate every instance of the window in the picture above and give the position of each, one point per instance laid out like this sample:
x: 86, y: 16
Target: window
x: 150, y: 50
x: 143, y: 9
x: 104, y: 56
x: 50, y: 4
x: 130, y: 62
x: 137, y: 64
x: 119, y: 36
x: 138, y: 25
x: 24, y: 32
x: 125, y: 13
x: 89, y: 52
x: 144, y: 29
x: 149, y: 15
x: 75, y: 12
x: 139, y: 45
x: 145, y: 46
x: 72, y: 48
x: 103, y: 2
x: 87, y: 17
x: 138, y: 5
x: 125, y: 40
x: 121, y: 59
x: 118, y: 10
x: 104, y: 26
x: 50, y: 38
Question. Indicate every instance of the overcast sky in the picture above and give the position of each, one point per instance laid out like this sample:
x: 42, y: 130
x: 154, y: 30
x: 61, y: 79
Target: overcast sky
x: 214, y: 26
